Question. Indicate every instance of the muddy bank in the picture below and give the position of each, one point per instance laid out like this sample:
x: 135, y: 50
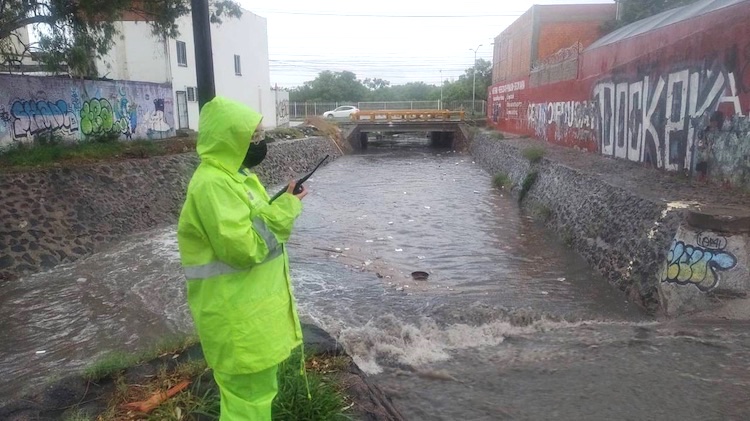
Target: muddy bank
x: 77, y: 395
x: 60, y: 214
x: 638, y: 227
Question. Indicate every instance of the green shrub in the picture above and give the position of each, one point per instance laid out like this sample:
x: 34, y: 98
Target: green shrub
x: 534, y: 154
x: 527, y: 184
x: 501, y: 180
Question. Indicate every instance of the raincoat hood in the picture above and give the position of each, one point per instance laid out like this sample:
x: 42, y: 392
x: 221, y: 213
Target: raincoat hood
x: 226, y: 128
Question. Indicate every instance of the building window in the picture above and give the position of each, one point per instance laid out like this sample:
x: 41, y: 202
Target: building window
x: 181, y: 53
x: 191, y: 94
x: 237, y: 65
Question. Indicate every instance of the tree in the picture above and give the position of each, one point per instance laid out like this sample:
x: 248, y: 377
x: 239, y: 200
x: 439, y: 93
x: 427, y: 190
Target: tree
x: 330, y: 86
x: 74, y: 32
x: 635, y: 10
x: 376, y: 83
x: 461, y: 89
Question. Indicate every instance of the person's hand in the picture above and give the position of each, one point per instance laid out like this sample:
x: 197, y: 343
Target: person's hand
x: 290, y: 190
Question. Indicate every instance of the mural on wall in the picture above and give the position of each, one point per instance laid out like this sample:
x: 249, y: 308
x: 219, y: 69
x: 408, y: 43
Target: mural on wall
x: 28, y: 118
x: 693, y: 118
x: 282, y: 107
x: 698, y: 264
x: 662, y: 119
x: 575, y: 120
x: 79, y: 110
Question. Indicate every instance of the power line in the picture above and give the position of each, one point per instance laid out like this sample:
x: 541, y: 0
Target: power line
x: 357, y: 15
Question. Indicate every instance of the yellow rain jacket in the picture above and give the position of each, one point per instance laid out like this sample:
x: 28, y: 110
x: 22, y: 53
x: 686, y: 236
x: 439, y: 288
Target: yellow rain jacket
x: 231, y: 243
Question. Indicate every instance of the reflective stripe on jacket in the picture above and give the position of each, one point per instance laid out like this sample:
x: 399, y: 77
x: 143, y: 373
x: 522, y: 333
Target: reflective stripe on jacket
x: 231, y: 243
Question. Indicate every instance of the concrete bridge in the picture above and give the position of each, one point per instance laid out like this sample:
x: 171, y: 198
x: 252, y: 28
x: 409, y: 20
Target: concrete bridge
x: 446, y: 129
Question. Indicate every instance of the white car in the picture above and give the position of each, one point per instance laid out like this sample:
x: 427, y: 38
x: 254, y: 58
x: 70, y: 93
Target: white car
x: 345, y: 111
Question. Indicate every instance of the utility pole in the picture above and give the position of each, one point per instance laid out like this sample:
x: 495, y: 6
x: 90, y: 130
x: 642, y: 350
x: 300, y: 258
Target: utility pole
x: 441, y: 89
x: 204, y: 56
x: 474, y: 82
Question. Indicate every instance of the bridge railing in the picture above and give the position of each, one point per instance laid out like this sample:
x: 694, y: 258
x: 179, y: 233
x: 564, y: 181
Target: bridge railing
x: 301, y: 110
x: 408, y: 115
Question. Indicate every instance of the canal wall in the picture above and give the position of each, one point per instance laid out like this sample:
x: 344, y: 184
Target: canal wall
x: 60, y: 214
x: 668, y: 255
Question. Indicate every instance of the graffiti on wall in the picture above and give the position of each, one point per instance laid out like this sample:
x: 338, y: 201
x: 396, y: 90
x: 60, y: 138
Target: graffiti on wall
x: 575, y: 120
x: 282, y: 112
x: 505, y: 105
x: 658, y: 119
x: 28, y: 118
x: 75, y: 110
x: 698, y: 264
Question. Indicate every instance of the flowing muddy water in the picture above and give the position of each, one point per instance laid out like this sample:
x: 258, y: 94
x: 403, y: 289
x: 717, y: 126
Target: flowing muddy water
x: 510, y: 324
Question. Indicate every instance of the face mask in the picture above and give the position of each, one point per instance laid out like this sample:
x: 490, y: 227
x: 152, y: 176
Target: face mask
x: 255, y: 154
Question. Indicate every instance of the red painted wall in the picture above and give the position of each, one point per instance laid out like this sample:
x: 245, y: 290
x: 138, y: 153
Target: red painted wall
x: 655, y: 97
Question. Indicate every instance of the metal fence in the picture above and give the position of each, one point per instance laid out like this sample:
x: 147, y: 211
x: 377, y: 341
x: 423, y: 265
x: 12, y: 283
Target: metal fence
x: 300, y: 110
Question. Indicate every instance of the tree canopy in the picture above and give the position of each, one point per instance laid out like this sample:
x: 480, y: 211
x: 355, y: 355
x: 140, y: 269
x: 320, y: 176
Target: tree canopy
x: 344, y: 86
x: 635, y: 10
x: 73, y: 32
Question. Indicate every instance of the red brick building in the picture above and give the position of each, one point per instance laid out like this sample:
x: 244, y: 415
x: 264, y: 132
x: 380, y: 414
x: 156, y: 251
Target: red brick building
x: 542, y: 32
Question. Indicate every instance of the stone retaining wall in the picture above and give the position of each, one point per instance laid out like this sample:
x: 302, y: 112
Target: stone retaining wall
x: 669, y: 243
x: 624, y: 236
x: 60, y: 214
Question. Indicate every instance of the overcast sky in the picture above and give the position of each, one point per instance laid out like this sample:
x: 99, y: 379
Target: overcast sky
x: 397, y: 40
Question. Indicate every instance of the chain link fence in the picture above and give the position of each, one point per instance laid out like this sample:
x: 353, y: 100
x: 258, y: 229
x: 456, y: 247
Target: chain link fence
x: 301, y: 110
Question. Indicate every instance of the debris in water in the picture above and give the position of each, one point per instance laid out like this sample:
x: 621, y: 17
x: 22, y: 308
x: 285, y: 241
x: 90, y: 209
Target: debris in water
x: 545, y: 293
x: 81, y: 280
x: 399, y: 249
x: 476, y: 191
x: 419, y: 275
x: 390, y: 222
x: 369, y: 241
x: 427, y: 207
x: 420, y: 257
x: 561, y: 279
x: 41, y: 352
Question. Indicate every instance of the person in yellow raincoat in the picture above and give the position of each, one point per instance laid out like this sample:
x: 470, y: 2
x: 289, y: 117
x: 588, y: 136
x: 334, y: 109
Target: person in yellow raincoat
x: 231, y: 243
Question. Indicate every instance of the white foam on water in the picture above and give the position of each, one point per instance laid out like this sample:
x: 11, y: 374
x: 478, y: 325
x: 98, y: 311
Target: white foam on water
x: 391, y: 342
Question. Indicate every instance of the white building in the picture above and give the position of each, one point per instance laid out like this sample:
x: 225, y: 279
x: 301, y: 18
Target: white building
x: 240, y: 56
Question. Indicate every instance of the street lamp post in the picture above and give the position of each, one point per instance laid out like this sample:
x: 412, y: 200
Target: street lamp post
x: 474, y: 82
x: 441, y: 89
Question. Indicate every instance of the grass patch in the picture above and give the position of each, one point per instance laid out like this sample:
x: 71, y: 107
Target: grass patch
x: 200, y: 401
x: 328, y: 401
x: 501, y: 180
x: 533, y: 154
x: 497, y: 135
x: 540, y: 212
x: 527, y: 184
x: 43, y: 153
x: 116, y: 362
x: 76, y: 415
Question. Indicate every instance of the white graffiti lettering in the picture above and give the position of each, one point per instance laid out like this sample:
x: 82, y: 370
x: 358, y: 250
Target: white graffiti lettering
x: 655, y: 119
